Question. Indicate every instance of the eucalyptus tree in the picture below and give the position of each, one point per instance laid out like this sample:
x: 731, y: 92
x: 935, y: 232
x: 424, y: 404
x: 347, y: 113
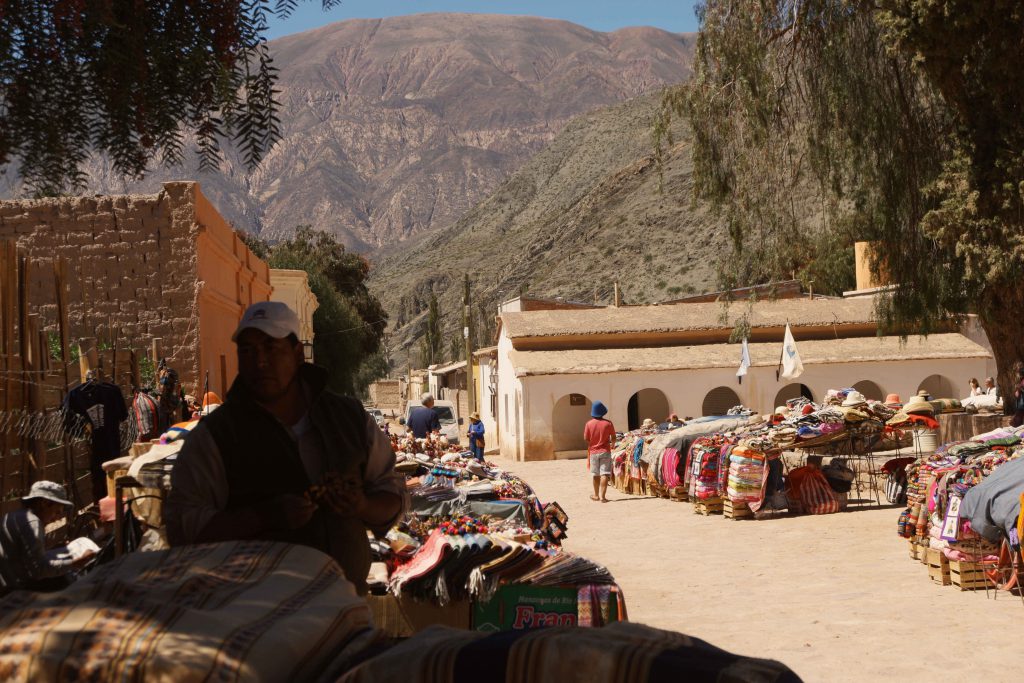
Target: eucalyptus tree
x: 898, y: 122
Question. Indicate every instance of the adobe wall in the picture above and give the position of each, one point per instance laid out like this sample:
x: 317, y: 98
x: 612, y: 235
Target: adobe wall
x: 130, y: 265
x: 386, y: 394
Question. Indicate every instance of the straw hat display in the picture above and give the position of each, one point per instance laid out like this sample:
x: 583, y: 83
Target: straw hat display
x: 854, y: 399
x: 649, y: 424
x: 918, y: 404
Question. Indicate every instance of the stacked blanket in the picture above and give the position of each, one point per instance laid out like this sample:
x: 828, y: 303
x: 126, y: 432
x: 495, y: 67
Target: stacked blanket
x: 252, y: 611
x: 746, y: 475
x: 619, y: 652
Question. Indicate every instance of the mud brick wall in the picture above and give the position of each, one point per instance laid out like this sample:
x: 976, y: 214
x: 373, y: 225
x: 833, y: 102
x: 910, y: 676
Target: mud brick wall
x: 131, y: 264
x: 386, y: 394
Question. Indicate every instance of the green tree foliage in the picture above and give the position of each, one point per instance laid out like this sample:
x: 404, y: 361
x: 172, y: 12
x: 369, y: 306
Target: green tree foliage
x: 895, y: 121
x: 129, y: 79
x: 349, y: 322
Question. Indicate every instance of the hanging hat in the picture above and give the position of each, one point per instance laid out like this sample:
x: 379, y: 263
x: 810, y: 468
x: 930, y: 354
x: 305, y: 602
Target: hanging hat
x: 918, y: 404
x: 598, y: 410
x: 853, y: 399
x: 893, y: 401
x: 48, y: 490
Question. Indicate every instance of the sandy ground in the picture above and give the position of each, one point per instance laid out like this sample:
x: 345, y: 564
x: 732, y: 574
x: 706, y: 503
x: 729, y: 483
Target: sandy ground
x: 835, y: 597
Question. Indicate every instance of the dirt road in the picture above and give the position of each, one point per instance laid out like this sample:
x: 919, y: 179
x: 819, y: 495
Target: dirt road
x: 835, y: 597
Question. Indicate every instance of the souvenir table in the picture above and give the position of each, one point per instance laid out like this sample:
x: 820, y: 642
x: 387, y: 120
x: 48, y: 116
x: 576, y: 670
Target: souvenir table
x: 962, y: 426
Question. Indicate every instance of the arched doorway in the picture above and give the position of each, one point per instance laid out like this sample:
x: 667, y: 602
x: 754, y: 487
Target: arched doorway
x: 871, y: 391
x: 792, y: 391
x: 568, y: 418
x: 719, y: 400
x: 937, y: 386
x: 647, y: 403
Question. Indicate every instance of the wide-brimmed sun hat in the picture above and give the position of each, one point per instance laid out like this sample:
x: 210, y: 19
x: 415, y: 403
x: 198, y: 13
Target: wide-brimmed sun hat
x: 918, y: 404
x: 48, y: 490
x: 854, y: 399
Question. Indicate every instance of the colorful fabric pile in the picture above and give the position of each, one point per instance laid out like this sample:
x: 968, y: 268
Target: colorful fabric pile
x: 956, y: 504
x: 746, y: 474
x: 706, y: 456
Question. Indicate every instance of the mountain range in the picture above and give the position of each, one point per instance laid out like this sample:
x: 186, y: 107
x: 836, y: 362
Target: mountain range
x: 593, y: 208
x: 395, y: 127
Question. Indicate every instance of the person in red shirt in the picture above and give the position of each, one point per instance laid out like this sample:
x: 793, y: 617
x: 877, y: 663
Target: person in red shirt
x: 600, y: 436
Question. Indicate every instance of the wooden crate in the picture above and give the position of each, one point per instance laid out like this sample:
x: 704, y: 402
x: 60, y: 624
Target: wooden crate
x: 917, y: 550
x: 708, y: 506
x: 733, y: 510
x: 938, y: 567
x: 678, y: 494
x: 968, y: 576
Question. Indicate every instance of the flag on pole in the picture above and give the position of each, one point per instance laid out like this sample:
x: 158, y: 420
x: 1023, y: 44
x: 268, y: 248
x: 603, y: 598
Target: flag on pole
x: 744, y: 361
x: 792, y: 367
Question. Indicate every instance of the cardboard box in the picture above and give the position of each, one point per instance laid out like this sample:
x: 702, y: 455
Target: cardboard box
x: 516, y: 608
x: 403, y: 617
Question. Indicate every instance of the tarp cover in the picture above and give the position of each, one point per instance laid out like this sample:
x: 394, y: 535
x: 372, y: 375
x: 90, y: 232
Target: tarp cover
x: 993, y: 505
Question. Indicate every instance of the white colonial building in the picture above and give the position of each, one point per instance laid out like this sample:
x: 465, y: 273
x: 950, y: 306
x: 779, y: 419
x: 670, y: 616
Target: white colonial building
x: 650, y: 361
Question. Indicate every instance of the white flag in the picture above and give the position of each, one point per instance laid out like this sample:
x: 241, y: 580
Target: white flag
x: 744, y: 361
x: 792, y: 367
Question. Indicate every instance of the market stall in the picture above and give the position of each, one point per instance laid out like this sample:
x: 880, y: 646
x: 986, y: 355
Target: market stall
x: 963, y: 507
x: 478, y: 542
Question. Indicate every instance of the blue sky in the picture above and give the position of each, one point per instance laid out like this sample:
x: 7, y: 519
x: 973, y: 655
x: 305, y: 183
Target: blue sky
x: 601, y: 15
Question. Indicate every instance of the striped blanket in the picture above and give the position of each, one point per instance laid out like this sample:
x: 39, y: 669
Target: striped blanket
x: 252, y: 611
x: 624, y: 652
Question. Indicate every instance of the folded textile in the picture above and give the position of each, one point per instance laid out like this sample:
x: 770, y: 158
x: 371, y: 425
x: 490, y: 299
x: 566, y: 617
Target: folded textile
x: 248, y: 610
x: 618, y: 653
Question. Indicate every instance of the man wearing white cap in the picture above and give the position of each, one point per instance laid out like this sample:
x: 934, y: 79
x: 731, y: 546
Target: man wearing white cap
x: 283, y: 458
x: 24, y: 561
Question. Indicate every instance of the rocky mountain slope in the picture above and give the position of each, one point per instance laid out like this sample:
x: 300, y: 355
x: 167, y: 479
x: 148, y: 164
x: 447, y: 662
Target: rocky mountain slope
x: 589, y: 209
x: 397, y: 126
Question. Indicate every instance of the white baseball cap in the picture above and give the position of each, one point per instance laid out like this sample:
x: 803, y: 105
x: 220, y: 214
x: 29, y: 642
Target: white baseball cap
x: 273, y: 318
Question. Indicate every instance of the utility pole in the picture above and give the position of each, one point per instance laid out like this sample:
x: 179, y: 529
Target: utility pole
x: 467, y: 333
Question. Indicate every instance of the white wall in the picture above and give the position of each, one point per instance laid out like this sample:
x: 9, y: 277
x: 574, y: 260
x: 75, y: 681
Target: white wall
x: 483, y: 398
x: 508, y: 419
x: 686, y: 389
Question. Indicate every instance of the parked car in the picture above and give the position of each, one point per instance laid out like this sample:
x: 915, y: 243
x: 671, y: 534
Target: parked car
x: 378, y: 416
x: 447, y: 415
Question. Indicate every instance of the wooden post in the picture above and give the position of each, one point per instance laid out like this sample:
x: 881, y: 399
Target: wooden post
x: 83, y: 360
x: 467, y: 331
x: 155, y: 353
x: 8, y: 288
x: 60, y: 275
x: 133, y: 366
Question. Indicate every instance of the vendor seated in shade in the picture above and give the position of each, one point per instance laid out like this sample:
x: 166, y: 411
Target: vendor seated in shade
x: 283, y: 458
x: 25, y: 564
x: 672, y: 422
